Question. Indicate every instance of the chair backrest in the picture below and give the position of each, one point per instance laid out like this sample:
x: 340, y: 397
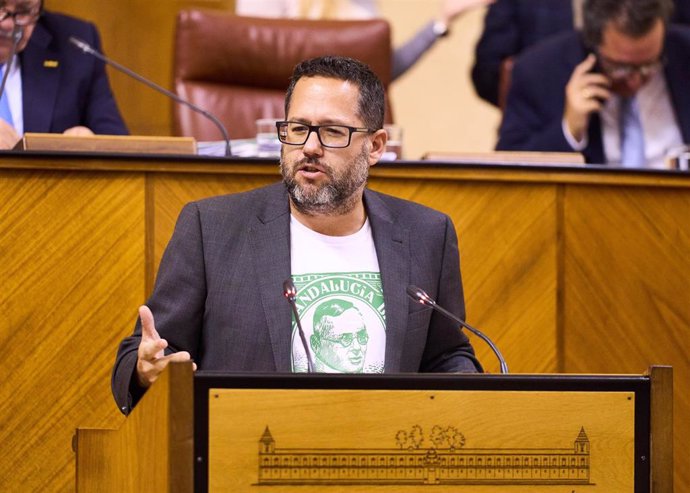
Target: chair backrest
x: 238, y: 68
x: 505, y: 77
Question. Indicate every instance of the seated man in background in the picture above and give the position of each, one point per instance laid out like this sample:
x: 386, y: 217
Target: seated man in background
x: 218, y: 297
x: 617, y: 91
x: 512, y: 26
x: 52, y: 87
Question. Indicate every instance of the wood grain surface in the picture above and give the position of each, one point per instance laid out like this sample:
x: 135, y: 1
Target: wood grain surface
x: 72, y: 276
x: 152, y: 451
x: 340, y: 425
x: 568, y: 270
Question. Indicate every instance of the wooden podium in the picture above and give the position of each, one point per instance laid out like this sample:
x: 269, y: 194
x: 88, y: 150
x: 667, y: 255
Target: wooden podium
x: 134, y: 144
x: 436, y: 433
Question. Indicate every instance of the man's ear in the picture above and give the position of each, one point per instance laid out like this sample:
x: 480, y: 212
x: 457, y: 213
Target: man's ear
x: 378, y: 146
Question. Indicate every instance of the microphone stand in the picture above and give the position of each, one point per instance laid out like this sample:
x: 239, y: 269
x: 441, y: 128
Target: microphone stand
x: 290, y: 292
x: 421, y: 297
x: 86, y: 48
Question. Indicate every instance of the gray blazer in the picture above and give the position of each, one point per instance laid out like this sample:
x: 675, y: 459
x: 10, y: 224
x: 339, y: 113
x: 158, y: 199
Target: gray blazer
x: 218, y: 293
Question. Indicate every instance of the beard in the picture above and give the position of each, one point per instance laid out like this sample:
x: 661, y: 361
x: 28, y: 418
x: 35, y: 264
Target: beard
x: 338, y: 195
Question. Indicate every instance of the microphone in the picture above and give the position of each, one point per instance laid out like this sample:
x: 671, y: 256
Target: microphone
x: 420, y: 296
x: 86, y: 48
x: 290, y: 292
x: 17, y: 34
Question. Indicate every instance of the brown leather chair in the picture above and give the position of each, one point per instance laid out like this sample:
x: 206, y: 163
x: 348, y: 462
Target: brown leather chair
x: 238, y: 68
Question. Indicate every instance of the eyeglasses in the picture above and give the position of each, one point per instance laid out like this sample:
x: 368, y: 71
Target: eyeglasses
x: 345, y: 340
x: 22, y: 17
x: 336, y: 136
x: 620, y: 71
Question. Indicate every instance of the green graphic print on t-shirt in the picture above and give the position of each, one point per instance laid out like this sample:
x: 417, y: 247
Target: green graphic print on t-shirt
x: 344, y: 322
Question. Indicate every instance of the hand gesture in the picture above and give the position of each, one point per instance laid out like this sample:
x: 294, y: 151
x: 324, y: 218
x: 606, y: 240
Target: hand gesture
x: 78, y: 131
x: 151, y: 358
x: 585, y: 94
x: 8, y: 135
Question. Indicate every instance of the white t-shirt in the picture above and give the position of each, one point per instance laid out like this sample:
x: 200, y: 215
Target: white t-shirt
x: 339, y: 300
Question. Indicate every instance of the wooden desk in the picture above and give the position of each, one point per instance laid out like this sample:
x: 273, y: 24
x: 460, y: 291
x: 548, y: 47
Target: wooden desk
x: 569, y: 270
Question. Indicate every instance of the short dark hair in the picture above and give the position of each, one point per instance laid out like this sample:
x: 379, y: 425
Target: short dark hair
x: 371, y: 93
x: 634, y: 18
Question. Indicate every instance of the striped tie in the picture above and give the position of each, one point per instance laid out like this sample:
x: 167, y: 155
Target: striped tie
x: 632, y: 135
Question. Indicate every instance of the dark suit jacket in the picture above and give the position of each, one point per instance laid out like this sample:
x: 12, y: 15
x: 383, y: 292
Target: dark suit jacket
x: 219, y: 295
x: 681, y: 12
x: 63, y: 87
x: 534, y: 112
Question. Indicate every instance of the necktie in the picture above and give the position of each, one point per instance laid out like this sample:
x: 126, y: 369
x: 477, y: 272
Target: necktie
x: 632, y: 136
x: 4, y: 103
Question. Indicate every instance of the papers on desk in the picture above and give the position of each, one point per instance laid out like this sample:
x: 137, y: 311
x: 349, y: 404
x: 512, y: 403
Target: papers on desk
x: 240, y: 148
x: 389, y: 156
x: 509, y: 157
x: 248, y: 148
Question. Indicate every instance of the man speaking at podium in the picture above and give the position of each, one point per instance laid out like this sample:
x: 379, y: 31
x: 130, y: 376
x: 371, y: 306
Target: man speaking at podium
x: 350, y: 252
x: 51, y: 87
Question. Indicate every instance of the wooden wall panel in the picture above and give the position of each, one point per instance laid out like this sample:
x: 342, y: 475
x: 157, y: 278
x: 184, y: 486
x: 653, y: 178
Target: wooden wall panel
x: 171, y: 192
x: 627, y: 289
x: 507, y: 239
x: 71, y: 278
x: 565, y: 269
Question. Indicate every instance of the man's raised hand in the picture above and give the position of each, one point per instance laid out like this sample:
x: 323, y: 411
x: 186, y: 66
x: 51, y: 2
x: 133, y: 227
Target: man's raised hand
x: 151, y: 358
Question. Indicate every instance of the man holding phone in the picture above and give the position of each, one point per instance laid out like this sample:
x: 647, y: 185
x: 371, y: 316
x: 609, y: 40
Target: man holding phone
x: 616, y: 91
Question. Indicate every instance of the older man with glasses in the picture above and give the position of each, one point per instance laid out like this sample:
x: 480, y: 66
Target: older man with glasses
x: 219, y: 298
x: 51, y: 87
x: 616, y: 91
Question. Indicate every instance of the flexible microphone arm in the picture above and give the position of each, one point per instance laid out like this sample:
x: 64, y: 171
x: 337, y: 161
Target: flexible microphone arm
x: 17, y: 34
x: 290, y: 293
x: 86, y: 48
x: 420, y: 296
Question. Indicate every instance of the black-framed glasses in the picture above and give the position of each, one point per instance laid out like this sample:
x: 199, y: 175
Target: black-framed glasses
x: 346, y: 339
x: 336, y: 136
x: 21, y: 17
x: 619, y: 70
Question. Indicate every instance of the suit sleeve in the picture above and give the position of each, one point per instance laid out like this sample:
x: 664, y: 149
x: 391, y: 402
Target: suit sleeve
x: 407, y: 55
x: 447, y: 348
x: 532, y: 120
x: 499, y: 40
x: 177, y: 303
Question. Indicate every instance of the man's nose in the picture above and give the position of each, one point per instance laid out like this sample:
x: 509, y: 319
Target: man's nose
x: 635, y: 81
x: 313, y: 144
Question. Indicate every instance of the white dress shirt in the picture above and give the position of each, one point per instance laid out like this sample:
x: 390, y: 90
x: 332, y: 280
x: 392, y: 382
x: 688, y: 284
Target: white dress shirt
x: 13, y: 90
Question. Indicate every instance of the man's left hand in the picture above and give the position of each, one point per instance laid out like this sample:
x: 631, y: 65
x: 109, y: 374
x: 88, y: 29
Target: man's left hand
x: 78, y: 131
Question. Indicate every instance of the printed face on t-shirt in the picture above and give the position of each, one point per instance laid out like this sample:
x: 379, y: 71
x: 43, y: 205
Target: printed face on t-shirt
x: 340, y: 341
